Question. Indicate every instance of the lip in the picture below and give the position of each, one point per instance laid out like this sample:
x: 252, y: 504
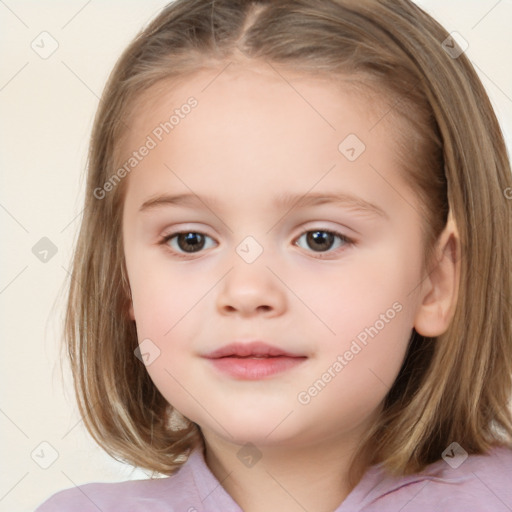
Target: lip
x: 249, y: 349
x: 253, y: 360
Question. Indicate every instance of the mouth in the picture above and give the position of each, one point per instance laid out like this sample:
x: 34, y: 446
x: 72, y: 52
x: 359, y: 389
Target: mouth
x: 253, y: 361
x: 253, y: 349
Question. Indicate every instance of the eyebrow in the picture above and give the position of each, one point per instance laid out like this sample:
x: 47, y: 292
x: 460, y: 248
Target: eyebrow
x: 286, y: 200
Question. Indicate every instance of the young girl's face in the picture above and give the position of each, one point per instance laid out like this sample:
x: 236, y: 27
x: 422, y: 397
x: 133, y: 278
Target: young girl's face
x: 302, y: 235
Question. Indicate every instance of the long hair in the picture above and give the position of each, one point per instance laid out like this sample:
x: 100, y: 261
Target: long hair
x: 455, y: 387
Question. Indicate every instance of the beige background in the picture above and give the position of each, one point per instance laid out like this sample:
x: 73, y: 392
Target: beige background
x: 47, y: 106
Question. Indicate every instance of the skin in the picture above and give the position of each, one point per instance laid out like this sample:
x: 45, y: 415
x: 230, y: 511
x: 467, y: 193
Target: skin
x: 251, y: 138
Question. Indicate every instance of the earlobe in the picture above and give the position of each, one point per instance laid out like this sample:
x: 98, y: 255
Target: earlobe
x: 440, y: 288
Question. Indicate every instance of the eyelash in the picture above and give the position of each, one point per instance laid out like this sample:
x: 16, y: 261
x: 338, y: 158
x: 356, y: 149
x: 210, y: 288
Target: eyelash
x: 320, y: 255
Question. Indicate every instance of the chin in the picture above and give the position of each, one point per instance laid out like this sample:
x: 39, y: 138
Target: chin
x: 256, y: 426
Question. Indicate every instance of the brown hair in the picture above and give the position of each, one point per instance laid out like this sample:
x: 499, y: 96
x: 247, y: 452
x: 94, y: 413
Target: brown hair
x: 451, y: 388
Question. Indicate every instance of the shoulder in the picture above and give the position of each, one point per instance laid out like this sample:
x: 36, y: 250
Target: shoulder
x: 174, y: 493
x: 457, y: 483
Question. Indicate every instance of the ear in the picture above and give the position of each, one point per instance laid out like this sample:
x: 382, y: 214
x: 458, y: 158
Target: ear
x: 131, y: 312
x: 440, y: 287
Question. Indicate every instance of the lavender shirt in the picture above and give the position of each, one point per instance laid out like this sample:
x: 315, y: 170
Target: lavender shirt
x: 481, y: 483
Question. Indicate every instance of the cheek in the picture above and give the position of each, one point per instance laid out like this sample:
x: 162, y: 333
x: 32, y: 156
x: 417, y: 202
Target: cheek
x: 162, y: 298
x: 167, y: 307
x: 368, y: 318
x: 359, y: 365
x: 368, y: 290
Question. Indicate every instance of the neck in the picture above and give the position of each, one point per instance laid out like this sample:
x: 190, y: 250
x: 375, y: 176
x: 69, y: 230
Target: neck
x: 276, y: 478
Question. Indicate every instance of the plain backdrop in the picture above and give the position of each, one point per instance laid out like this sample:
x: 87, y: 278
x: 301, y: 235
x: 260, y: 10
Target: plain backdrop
x: 47, y: 106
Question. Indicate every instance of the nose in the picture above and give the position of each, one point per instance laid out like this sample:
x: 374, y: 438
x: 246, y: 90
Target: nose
x: 251, y: 289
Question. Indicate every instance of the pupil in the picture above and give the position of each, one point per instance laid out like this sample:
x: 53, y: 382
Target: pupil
x: 191, y: 241
x: 320, y: 240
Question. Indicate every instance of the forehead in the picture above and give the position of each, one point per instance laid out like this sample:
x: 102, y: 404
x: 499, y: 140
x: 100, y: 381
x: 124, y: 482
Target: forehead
x: 260, y: 83
x: 255, y: 127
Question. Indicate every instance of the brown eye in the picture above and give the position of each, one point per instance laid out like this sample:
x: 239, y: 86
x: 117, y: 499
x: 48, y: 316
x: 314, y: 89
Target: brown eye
x: 319, y: 240
x: 187, y: 242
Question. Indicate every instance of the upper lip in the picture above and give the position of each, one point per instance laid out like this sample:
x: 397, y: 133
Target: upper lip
x: 250, y: 349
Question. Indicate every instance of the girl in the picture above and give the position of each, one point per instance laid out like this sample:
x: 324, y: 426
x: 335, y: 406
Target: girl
x: 292, y: 288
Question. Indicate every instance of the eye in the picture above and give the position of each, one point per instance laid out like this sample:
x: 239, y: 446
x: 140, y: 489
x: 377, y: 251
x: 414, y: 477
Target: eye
x: 319, y: 241
x: 322, y: 241
x: 186, y: 242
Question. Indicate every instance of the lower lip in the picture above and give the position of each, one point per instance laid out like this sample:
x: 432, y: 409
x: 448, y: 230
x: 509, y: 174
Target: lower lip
x: 248, y: 368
